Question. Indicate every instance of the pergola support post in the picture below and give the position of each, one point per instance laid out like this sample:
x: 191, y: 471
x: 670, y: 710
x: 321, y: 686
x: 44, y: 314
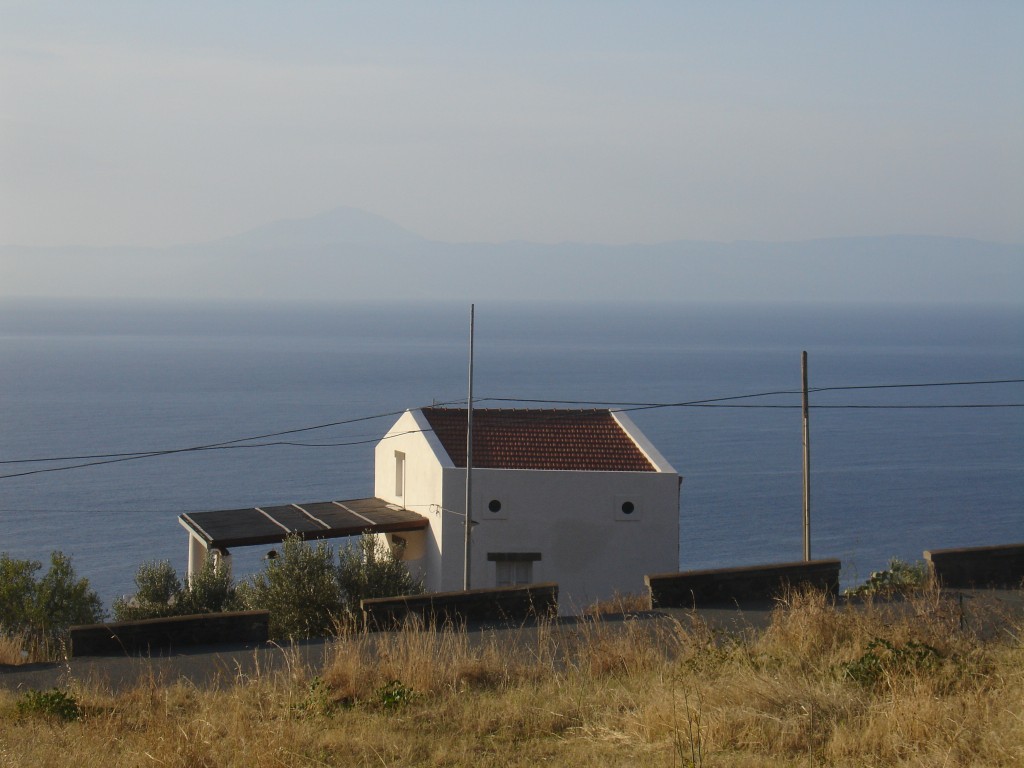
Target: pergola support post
x: 196, y: 555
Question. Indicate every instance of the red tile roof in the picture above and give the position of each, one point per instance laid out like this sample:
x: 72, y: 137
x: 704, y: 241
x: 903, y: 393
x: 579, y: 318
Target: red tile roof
x: 588, y: 440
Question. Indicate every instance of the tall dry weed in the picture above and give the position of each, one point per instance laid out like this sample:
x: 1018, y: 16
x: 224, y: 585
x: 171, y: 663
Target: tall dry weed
x: 12, y: 648
x: 427, y: 659
x: 619, y: 604
x: 622, y: 648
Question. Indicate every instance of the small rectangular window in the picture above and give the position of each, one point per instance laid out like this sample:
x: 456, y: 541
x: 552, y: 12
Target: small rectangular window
x: 512, y: 573
x: 399, y: 473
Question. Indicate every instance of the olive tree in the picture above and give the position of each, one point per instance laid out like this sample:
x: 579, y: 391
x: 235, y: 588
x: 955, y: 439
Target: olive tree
x: 159, y: 592
x: 300, y: 589
x: 308, y: 591
x: 371, y: 568
x: 44, y: 608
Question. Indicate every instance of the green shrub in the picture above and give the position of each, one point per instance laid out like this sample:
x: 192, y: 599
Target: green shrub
x: 43, y: 609
x: 318, y: 701
x: 159, y: 592
x: 300, y: 589
x: 899, y: 579
x: 307, y: 592
x: 53, y: 704
x: 211, y: 590
x: 17, y: 593
x: 370, y: 568
x: 884, y: 660
x: 394, y: 694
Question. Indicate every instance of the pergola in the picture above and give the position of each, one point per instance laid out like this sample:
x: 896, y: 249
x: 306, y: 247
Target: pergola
x: 220, y: 530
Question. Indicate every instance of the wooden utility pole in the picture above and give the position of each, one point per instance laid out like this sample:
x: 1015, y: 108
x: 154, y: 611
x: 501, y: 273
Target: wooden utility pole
x: 469, y: 453
x: 807, y: 461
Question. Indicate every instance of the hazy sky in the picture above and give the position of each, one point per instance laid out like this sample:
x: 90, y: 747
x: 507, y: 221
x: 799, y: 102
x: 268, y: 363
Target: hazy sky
x: 162, y: 123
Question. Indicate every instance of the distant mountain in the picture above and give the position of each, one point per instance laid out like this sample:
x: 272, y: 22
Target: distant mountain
x: 341, y: 226
x: 351, y: 256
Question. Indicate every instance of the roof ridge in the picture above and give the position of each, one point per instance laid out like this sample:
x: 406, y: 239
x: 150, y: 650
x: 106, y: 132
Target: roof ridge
x: 457, y: 409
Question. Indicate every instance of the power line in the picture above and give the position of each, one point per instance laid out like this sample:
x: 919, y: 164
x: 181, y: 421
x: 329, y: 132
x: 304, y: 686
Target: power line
x: 909, y: 386
x: 841, y: 407
x: 720, y: 401
x: 626, y: 404
x: 115, y: 458
x: 212, y: 447
x: 290, y: 443
x: 716, y: 402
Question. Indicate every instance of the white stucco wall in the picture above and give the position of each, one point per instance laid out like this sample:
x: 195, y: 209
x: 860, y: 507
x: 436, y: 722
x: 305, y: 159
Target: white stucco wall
x: 574, y: 521
x: 425, y: 460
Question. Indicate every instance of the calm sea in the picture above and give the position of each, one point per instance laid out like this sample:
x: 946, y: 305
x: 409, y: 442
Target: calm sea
x: 82, y: 380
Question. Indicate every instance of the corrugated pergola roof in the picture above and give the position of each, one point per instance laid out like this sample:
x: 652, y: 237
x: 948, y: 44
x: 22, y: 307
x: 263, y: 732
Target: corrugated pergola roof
x: 317, y: 520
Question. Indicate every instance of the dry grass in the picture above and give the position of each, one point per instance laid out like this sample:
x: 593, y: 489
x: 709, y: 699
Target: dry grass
x: 802, y: 692
x: 23, y: 648
x: 10, y: 648
x: 619, y: 604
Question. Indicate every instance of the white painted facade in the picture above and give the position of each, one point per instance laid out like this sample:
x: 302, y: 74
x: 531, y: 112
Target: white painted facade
x: 595, y: 533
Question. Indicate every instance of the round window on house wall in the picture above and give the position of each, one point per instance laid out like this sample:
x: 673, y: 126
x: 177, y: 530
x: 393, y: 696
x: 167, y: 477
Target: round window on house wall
x: 627, y: 507
x: 494, y: 506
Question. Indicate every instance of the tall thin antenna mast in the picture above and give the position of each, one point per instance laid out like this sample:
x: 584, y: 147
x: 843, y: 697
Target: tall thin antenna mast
x: 807, y: 461
x: 469, y: 452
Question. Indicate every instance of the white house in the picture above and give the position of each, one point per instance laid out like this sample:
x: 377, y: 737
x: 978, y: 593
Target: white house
x: 578, y: 497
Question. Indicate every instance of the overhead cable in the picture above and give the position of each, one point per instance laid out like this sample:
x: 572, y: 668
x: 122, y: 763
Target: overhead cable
x: 716, y: 402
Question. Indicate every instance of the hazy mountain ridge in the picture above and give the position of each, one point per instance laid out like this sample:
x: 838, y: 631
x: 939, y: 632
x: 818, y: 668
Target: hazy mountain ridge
x: 338, y: 226
x: 349, y: 255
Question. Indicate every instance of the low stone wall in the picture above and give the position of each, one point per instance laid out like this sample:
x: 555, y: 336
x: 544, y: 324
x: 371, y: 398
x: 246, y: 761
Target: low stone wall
x: 690, y: 589
x: 171, y: 633
x: 503, y: 604
x: 1001, y: 566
